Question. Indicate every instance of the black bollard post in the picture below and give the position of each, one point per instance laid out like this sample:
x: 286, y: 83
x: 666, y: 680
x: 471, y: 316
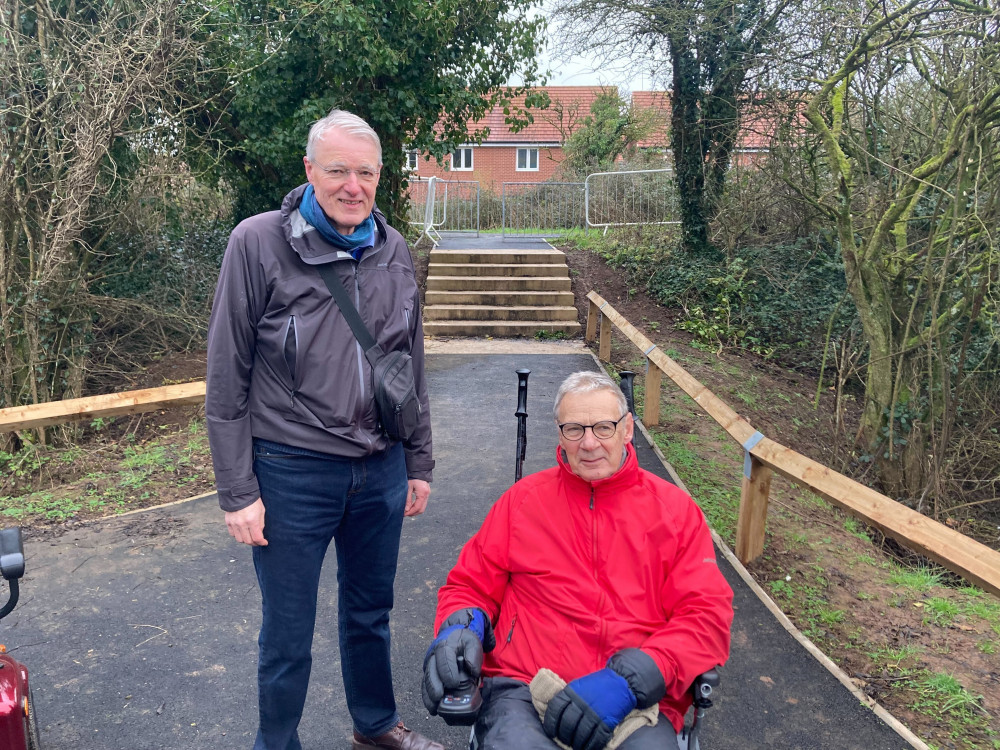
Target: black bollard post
x: 627, y: 385
x: 522, y: 421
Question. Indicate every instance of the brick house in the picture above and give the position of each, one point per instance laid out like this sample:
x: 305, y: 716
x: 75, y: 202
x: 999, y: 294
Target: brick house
x: 533, y: 154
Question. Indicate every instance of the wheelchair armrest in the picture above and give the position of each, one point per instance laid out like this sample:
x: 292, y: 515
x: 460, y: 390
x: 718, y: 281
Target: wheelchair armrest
x: 11, y: 553
x: 704, y: 684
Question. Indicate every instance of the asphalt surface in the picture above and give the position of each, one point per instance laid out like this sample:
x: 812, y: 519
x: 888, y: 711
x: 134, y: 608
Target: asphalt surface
x: 140, y: 632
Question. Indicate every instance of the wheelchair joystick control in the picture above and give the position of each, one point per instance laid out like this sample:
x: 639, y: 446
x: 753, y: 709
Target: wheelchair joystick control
x: 460, y: 705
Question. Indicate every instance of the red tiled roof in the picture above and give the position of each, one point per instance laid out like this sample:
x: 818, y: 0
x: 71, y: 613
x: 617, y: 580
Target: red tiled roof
x: 573, y: 102
x: 758, y: 128
x: 659, y: 101
x: 570, y: 104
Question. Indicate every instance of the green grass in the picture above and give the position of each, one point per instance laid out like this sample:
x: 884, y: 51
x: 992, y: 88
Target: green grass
x: 917, y: 579
x: 45, y: 504
x: 856, y: 528
x: 943, y: 698
x: 545, y: 335
x: 941, y: 611
x: 895, y: 658
x: 748, y: 395
x: 710, y: 483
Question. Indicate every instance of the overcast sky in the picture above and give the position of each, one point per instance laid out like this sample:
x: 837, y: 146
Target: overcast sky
x: 580, y: 71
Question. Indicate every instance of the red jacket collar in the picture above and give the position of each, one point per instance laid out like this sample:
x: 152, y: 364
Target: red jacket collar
x: 626, y: 476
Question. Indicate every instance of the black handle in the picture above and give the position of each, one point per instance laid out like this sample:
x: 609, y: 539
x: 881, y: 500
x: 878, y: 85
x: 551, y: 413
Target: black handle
x: 627, y: 385
x: 460, y: 705
x: 522, y: 422
x: 11, y: 565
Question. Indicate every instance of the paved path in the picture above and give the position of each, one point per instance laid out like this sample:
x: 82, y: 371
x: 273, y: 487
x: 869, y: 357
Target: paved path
x: 140, y: 631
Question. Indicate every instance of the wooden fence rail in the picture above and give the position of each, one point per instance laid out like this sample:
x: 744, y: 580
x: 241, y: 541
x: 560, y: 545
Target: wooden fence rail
x: 963, y: 555
x: 17, y: 418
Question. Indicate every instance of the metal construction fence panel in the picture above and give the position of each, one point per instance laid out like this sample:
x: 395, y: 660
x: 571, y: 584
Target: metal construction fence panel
x: 438, y: 205
x: 541, y: 209
x: 632, y: 197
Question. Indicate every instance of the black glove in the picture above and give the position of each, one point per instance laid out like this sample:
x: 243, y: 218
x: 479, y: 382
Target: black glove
x: 584, y: 714
x: 456, y: 655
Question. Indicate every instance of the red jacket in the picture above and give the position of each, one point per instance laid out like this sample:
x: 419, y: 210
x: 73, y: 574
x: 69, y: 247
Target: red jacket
x: 572, y: 571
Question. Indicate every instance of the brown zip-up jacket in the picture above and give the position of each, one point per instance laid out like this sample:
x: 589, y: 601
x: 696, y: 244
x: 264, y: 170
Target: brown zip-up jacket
x: 284, y: 365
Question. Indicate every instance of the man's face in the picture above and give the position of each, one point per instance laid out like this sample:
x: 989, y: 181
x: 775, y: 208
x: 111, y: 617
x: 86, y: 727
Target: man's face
x: 337, y: 176
x: 591, y: 457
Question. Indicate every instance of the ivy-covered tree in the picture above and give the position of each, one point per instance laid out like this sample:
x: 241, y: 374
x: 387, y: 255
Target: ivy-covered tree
x: 417, y: 70
x: 908, y: 122
x: 709, y: 48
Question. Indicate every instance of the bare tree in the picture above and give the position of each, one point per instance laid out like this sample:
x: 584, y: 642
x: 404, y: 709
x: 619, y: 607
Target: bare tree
x: 88, y: 86
x: 908, y: 123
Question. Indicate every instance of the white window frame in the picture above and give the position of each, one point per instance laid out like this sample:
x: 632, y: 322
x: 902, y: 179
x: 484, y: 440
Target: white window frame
x: 465, y: 159
x: 412, y: 160
x: 528, y: 154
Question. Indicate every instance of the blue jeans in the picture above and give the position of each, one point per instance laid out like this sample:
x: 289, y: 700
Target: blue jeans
x: 310, y: 499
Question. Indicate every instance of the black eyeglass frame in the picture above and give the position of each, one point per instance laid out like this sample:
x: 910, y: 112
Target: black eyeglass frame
x: 615, y: 422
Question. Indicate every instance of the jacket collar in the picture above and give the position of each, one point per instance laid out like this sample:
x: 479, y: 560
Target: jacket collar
x: 307, y: 242
x: 627, y: 476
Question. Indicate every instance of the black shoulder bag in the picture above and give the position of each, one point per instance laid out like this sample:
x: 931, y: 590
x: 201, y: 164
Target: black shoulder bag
x: 395, y: 390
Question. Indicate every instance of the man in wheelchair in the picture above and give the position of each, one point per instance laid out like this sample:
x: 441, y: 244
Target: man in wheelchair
x: 596, y: 570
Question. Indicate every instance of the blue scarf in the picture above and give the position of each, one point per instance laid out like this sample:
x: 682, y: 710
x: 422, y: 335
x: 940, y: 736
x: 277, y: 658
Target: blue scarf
x: 363, y: 236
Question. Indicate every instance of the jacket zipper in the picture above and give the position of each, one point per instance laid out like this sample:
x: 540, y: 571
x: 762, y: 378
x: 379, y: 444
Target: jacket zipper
x: 511, y: 633
x: 358, y: 348
x: 594, y: 566
x: 291, y: 330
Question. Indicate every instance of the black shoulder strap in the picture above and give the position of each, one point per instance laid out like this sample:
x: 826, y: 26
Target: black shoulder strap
x: 372, y: 350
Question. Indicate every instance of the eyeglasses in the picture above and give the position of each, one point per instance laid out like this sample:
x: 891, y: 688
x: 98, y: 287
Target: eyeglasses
x: 339, y: 174
x: 602, y: 430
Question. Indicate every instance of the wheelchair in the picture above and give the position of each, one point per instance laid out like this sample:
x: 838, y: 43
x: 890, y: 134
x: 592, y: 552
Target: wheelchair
x: 704, y: 685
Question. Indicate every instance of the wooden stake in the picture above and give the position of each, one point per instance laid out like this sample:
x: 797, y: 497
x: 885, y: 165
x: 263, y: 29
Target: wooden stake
x: 651, y: 404
x: 604, y: 352
x: 753, y: 512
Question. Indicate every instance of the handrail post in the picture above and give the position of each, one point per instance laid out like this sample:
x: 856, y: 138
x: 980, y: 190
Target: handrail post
x: 753, y: 508
x: 593, y: 313
x: 604, y: 350
x: 651, y: 400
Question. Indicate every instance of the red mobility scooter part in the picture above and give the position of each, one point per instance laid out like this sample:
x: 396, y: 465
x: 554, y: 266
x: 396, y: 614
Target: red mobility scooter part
x: 18, y: 725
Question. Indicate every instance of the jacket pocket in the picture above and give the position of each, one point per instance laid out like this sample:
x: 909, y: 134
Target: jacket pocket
x: 290, y: 352
x: 506, y: 633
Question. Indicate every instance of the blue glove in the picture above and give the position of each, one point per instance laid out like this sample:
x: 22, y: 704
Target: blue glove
x: 456, y: 655
x: 584, y: 714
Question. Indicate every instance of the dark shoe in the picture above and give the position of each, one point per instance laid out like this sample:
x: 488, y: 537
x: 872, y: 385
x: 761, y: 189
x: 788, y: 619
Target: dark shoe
x: 397, y: 738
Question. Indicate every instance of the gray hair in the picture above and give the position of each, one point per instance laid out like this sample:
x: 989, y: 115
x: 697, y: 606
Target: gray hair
x: 586, y: 381
x: 345, y: 122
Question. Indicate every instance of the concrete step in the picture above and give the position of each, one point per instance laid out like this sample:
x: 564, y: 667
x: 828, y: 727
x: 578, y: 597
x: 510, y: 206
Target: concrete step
x: 501, y: 329
x: 495, y: 313
x: 499, y: 283
x: 506, y: 257
x: 497, y: 298
x: 497, y: 269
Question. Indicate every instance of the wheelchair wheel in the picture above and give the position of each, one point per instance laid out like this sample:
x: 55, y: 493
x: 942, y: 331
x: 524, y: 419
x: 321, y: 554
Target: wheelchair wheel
x: 34, y: 740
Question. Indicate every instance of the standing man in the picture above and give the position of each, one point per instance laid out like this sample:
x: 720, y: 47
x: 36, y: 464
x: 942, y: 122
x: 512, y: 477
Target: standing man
x: 596, y: 570
x: 299, y: 457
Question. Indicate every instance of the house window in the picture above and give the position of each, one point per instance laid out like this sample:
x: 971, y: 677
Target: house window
x: 411, y: 161
x: 527, y: 160
x: 461, y: 160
